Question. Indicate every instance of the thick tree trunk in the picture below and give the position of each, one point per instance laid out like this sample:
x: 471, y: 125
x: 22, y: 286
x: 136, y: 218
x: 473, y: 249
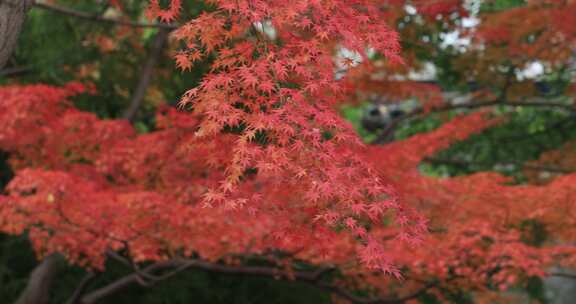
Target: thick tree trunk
x: 12, y: 15
x: 38, y: 289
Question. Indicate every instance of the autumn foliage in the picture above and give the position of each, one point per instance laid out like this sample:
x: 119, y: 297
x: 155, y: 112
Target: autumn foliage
x: 257, y: 159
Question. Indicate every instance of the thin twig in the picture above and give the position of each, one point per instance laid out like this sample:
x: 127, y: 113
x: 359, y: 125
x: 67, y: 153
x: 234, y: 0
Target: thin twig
x: 387, y: 132
x: 81, y: 288
x: 98, y: 18
x: 571, y: 276
x: 9, y: 72
x: 178, y: 265
x: 459, y: 162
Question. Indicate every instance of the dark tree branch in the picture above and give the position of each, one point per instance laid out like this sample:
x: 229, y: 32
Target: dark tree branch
x: 12, y: 16
x: 343, y: 293
x: 388, y: 131
x: 177, y: 265
x: 120, y: 284
x: 143, y: 278
x: 146, y: 75
x: 571, y: 276
x: 114, y: 255
x: 98, y: 18
x: 508, y: 82
x: 38, y: 288
x: 9, y: 72
x: 81, y: 288
x: 458, y: 162
x: 128, y: 280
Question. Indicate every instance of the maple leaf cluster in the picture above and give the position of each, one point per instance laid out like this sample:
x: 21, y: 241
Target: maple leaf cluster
x: 94, y: 188
x: 85, y: 185
x: 264, y: 148
x: 278, y: 92
x: 478, y: 222
x: 482, y: 225
x: 257, y: 158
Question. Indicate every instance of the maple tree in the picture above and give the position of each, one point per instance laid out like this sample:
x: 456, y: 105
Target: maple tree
x: 256, y: 162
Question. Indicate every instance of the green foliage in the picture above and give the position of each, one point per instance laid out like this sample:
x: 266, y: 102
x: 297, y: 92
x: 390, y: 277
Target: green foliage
x: 527, y: 134
x: 498, y: 5
x: 56, y: 49
x: 535, y: 289
x: 354, y: 115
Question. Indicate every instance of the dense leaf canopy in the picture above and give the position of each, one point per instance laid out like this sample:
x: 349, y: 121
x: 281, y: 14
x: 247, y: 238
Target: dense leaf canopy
x: 249, y: 153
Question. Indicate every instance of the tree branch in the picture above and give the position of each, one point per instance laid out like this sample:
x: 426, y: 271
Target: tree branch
x: 571, y: 276
x: 9, y: 72
x: 75, y: 298
x: 38, y: 287
x: 387, y: 132
x: 146, y: 75
x: 12, y: 16
x: 174, y: 266
x: 177, y: 264
x: 458, y: 162
x: 98, y: 18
